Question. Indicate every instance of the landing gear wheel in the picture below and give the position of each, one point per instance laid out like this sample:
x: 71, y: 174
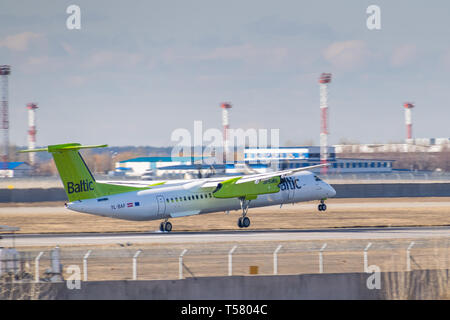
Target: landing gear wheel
x: 322, y: 206
x: 168, y: 226
x: 165, y: 226
x: 246, y: 222
x: 239, y: 222
x: 243, y: 222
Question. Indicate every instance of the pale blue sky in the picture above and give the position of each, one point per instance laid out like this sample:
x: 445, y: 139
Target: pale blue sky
x: 137, y: 70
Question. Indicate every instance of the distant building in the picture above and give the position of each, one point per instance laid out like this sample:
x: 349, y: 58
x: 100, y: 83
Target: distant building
x: 411, y: 145
x: 182, y: 167
x: 297, y: 157
x: 137, y: 167
x: 190, y: 170
x: 206, y: 170
x: 15, y: 169
x: 256, y: 160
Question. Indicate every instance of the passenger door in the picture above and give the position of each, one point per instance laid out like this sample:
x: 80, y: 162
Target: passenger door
x: 161, y: 205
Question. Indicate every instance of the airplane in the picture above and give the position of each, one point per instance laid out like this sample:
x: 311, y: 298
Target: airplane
x: 141, y: 201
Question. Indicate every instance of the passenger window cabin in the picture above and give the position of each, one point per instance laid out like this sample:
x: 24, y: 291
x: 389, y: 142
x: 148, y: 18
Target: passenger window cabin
x: 189, y: 198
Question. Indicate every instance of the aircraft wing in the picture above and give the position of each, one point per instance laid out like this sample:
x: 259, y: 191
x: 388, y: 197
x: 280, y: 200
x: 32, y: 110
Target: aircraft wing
x: 250, y: 186
x: 281, y: 173
x: 264, y: 176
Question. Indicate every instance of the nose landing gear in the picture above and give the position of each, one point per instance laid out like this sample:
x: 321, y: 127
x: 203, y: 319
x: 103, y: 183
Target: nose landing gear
x: 322, y: 206
x: 165, y: 226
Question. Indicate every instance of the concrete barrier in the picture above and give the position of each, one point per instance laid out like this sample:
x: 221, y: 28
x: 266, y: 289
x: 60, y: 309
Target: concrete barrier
x: 417, y: 284
x: 392, y: 190
x: 372, y: 190
x: 32, y: 195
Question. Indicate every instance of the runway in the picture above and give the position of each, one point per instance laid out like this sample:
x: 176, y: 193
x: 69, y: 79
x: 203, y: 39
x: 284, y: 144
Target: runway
x: 156, y: 237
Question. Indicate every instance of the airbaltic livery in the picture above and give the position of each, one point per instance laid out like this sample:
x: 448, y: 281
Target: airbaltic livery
x: 140, y: 201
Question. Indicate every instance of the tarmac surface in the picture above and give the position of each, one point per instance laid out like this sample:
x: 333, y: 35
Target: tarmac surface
x: 376, y: 204
x: 156, y: 237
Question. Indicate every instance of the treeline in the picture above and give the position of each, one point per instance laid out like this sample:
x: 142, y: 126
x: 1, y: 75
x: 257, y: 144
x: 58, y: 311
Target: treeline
x: 101, y: 160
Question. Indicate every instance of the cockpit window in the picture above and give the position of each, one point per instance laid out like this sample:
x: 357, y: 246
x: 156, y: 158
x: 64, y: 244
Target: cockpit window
x: 317, y: 178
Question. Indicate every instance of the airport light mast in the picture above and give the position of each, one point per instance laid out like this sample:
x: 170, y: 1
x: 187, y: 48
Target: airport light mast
x: 31, y: 130
x: 324, y: 80
x: 408, y: 120
x: 226, y: 125
x: 5, y: 71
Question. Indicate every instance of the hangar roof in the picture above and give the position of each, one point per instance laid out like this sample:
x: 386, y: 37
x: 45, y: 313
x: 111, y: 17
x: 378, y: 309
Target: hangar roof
x: 11, y: 165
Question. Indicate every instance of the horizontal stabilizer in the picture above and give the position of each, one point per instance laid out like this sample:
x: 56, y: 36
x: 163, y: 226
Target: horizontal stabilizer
x: 64, y: 147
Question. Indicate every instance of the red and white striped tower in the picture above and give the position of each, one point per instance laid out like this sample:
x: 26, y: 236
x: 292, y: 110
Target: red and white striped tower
x: 324, y: 80
x: 4, y: 152
x: 408, y: 120
x: 31, y: 130
x: 226, y: 125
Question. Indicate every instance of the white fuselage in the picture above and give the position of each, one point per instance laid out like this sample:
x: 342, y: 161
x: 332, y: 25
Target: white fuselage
x: 189, y: 198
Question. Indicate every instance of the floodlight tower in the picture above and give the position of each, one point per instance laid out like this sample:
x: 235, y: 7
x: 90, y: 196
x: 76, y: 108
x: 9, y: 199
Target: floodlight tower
x: 408, y: 120
x: 324, y: 80
x: 5, y: 71
x: 31, y: 130
x: 226, y: 125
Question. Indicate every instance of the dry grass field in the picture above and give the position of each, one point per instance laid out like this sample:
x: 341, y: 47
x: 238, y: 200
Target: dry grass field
x: 161, y: 261
x: 389, y: 212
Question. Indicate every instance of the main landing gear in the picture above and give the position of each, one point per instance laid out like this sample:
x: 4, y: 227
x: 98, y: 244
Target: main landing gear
x: 244, y: 221
x: 322, y: 206
x: 165, y: 226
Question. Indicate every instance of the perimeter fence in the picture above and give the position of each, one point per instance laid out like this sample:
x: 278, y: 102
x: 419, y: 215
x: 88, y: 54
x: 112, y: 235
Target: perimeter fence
x: 126, y: 261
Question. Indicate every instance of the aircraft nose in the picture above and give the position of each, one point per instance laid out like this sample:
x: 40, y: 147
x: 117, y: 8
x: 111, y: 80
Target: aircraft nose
x: 331, y: 192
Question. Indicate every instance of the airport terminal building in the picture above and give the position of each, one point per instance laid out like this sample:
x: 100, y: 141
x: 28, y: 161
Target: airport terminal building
x: 255, y: 160
x: 137, y: 167
x: 297, y: 157
x: 183, y: 167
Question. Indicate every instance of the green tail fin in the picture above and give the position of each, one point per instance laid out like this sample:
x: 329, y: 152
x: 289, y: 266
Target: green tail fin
x: 78, y: 180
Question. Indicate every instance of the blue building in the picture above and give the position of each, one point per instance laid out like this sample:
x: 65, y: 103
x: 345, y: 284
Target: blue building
x: 14, y: 169
x: 146, y: 165
x: 297, y: 157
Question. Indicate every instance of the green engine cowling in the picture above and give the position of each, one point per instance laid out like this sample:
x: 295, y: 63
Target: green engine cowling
x: 249, y: 190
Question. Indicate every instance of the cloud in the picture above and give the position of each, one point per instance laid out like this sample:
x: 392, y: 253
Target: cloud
x: 403, y: 55
x: 111, y: 58
x: 42, y: 63
x: 68, y: 48
x: 37, y: 61
x: 347, y: 55
x: 248, y: 53
x: 75, y: 81
x: 35, y: 64
x: 20, y: 41
x: 275, y: 25
x: 446, y: 59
